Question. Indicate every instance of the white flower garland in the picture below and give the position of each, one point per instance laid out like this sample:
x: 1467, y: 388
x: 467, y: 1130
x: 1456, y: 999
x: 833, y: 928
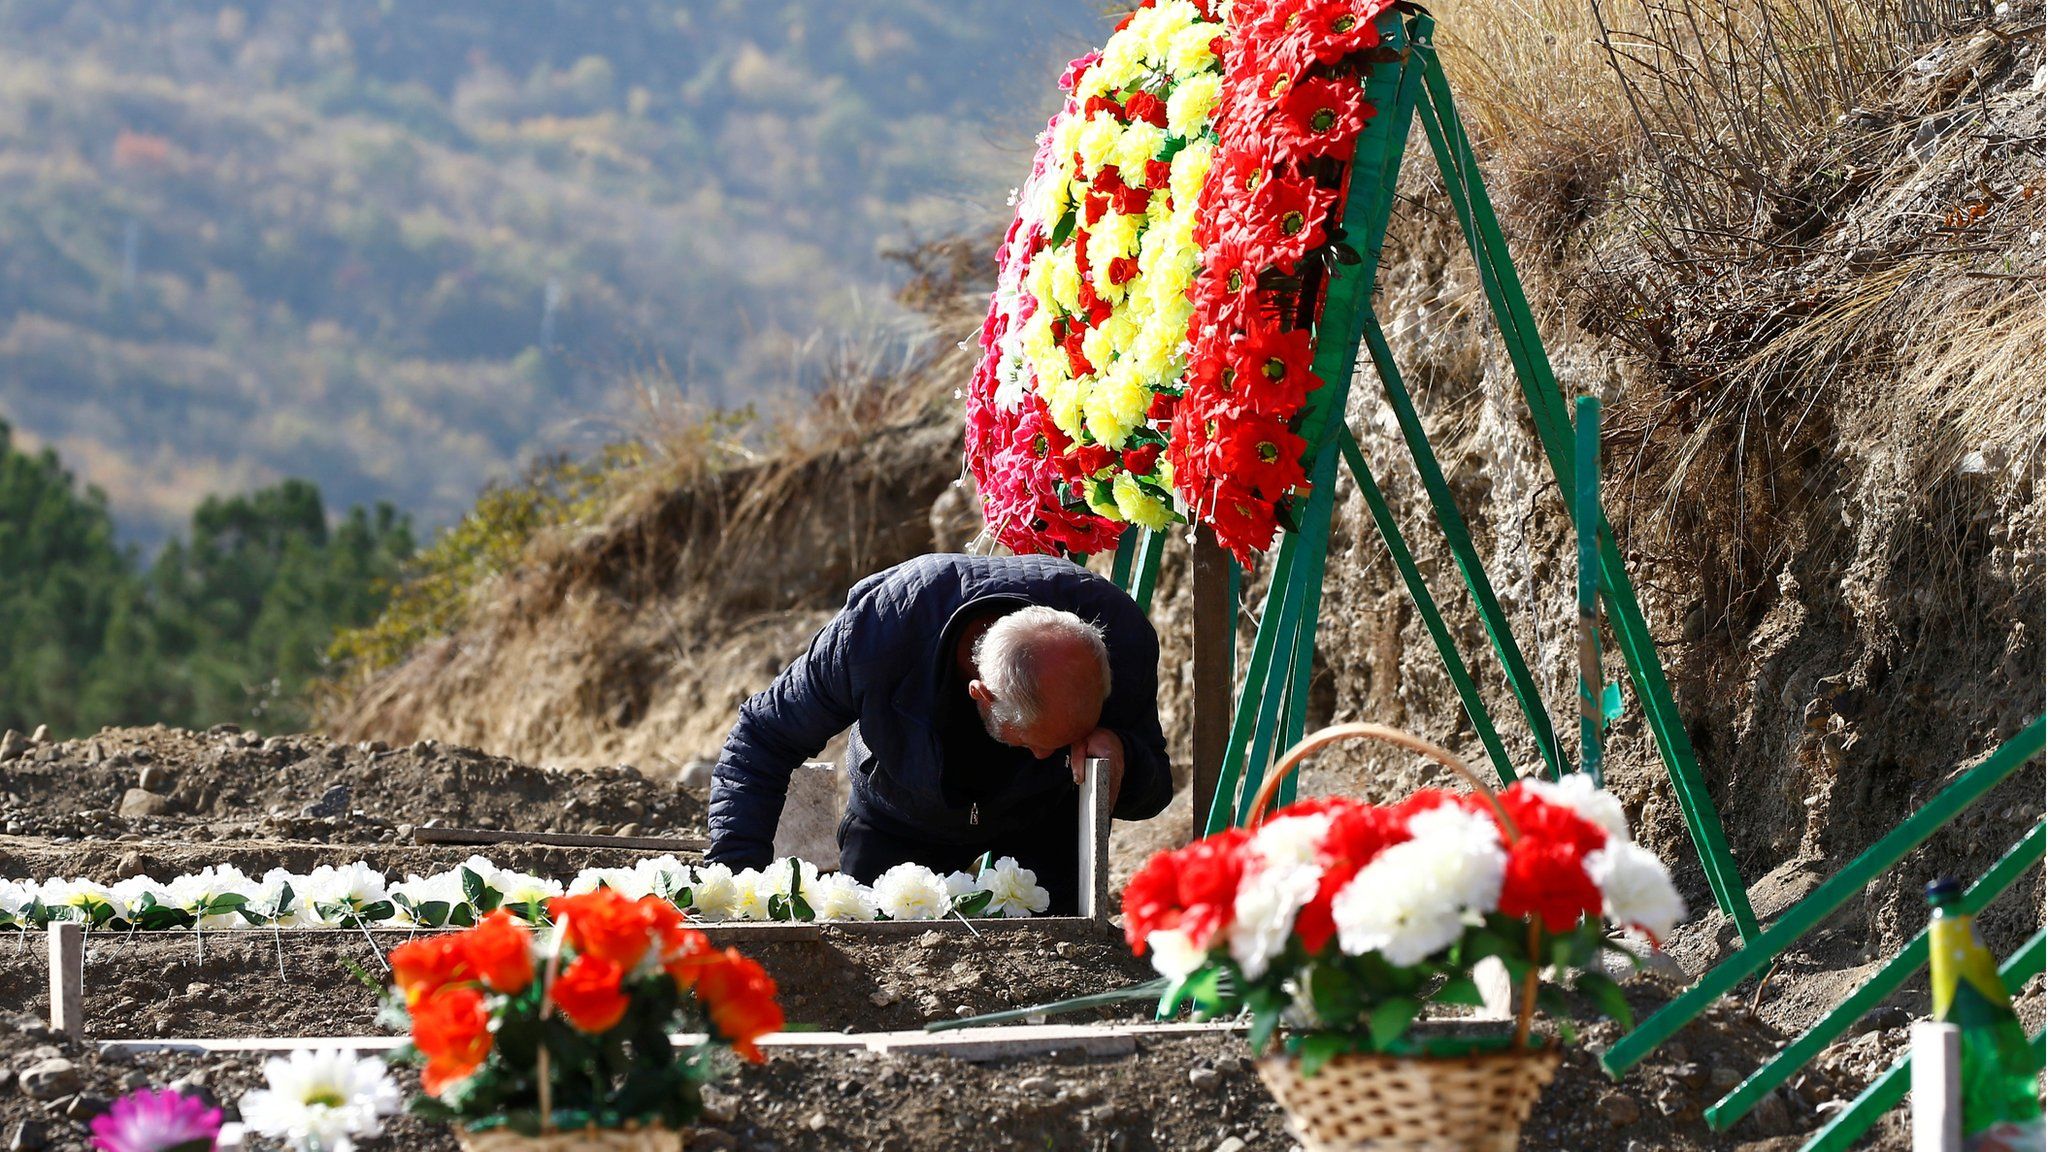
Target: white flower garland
x: 357, y: 896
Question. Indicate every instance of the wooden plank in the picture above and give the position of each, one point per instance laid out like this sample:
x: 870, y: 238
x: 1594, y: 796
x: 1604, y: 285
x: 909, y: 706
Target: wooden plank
x: 1094, y: 842
x: 67, y: 979
x: 557, y: 839
x: 1215, y: 651
x: 1937, y: 1087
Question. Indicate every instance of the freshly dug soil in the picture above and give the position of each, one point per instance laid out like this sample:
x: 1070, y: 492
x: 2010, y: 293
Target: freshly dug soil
x: 226, y: 784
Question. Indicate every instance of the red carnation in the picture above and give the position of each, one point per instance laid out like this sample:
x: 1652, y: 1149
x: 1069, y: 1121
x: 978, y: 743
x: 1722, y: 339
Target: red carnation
x: 1547, y: 879
x: 1358, y: 833
x: 1158, y: 173
x: 1093, y: 458
x: 1162, y: 406
x: 1192, y: 889
x: 1123, y: 269
x: 1143, y: 105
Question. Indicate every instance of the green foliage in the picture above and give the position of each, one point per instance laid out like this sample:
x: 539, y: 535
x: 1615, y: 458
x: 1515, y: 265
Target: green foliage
x: 230, y: 622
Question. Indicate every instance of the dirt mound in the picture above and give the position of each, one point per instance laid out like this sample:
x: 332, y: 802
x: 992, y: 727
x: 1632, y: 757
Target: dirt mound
x: 226, y: 784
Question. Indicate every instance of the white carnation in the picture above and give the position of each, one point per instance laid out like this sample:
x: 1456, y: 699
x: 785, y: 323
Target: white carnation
x: 195, y: 890
x: 912, y: 892
x: 83, y: 896
x: 626, y: 882
x: 128, y: 894
x: 440, y: 888
x: 1262, y: 917
x: 752, y: 890
x: 519, y: 889
x: 1013, y: 890
x: 1291, y: 840
x: 332, y: 894
x: 15, y: 896
x: 1174, y: 954
x: 664, y: 876
x: 271, y: 902
x: 1635, y: 888
x: 1416, y: 897
x: 714, y: 894
x: 1592, y: 803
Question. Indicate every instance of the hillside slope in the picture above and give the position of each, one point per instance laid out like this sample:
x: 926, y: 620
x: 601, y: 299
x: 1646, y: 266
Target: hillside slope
x: 1833, y: 511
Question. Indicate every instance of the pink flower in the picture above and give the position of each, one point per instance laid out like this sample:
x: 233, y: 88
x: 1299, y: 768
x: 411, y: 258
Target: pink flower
x: 151, y: 1121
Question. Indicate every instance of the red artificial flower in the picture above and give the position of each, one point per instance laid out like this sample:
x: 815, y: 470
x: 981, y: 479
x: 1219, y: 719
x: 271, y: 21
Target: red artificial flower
x: 1158, y: 173
x: 1244, y: 521
x: 684, y: 952
x: 1358, y: 833
x: 1333, y: 29
x: 1273, y: 369
x: 452, y: 1029
x: 1261, y: 454
x: 588, y: 993
x: 1546, y: 872
x: 739, y: 997
x: 500, y: 950
x: 1192, y: 889
x: 1318, y: 117
x: 425, y: 966
x: 605, y: 923
x: 1093, y: 458
x: 1143, y: 105
x: 1162, y: 406
x: 1227, y: 291
x: 1140, y: 461
x: 1123, y: 269
x: 1284, y: 218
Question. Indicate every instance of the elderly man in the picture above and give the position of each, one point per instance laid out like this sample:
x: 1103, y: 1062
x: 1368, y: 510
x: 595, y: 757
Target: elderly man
x: 976, y: 687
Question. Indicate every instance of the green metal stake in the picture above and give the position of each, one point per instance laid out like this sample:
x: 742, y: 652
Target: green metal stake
x: 1592, y: 683
x: 1126, y: 547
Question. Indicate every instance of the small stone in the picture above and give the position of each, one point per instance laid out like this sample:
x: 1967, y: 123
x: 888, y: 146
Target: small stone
x: 197, y: 989
x: 711, y: 1140
x: 1723, y: 1078
x: 1619, y: 1108
x: 817, y: 1122
x: 1038, y: 1085
x: 1691, y: 1075
x: 881, y: 998
x: 1205, y: 1079
x: 696, y: 775
x: 135, y: 1080
x: 931, y: 939
x: 129, y: 865
x: 962, y: 1011
x: 11, y: 745
x: 29, y: 1136
x: 1066, y: 949
x: 629, y: 830
x: 1883, y: 1019
x: 137, y: 804
x: 50, y: 1079
x: 154, y: 778
x: 85, y: 1106
x: 333, y: 802
x: 1231, y: 1144
x: 403, y: 831
x: 1772, y: 1115
x: 41, y: 735
x: 720, y: 1106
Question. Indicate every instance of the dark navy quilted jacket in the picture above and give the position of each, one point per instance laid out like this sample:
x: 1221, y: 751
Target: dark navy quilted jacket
x: 877, y: 667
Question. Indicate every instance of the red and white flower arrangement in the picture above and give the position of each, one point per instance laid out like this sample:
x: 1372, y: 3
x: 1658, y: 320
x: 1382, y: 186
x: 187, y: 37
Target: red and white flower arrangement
x: 1348, y: 918
x: 1147, y: 352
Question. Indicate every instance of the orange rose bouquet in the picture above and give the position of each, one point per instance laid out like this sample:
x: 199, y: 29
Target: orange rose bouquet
x: 572, y: 1026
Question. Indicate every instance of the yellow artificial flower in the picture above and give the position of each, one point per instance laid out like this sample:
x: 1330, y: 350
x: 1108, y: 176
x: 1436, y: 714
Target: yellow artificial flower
x: 1106, y: 341
x: 1115, y: 405
x: 1106, y: 509
x: 1190, y: 51
x: 1063, y: 404
x: 1036, y: 336
x: 1151, y: 354
x: 1122, y: 63
x: 1138, y: 145
x: 1138, y: 506
x: 1066, y: 277
x: 1116, y: 234
x: 1190, y: 172
x: 1192, y: 102
x: 1098, y: 140
x: 1066, y: 134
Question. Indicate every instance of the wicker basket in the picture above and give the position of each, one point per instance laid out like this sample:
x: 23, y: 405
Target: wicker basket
x: 1369, y: 1103
x: 655, y: 1139
x: 1377, y: 1103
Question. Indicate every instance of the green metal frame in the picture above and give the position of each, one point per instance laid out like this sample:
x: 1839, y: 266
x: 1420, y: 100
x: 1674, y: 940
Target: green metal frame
x: 1271, y: 709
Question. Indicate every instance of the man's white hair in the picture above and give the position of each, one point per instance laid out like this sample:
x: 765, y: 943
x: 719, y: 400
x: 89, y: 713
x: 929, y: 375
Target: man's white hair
x: 1010, y: 659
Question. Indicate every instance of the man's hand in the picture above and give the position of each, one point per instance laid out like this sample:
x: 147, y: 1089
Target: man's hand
x: 1101, y: 744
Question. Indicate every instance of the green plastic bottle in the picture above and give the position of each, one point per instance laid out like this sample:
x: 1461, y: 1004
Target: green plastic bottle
x: 2000, y: 1073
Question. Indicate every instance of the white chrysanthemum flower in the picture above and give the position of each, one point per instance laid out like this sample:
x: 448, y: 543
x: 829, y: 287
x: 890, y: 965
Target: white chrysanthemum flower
x: 199, y: 889
x: 129, y: 893
x: 960, y: 885
x: 1635, y: 888
x: 840, y: 897
x: 331, y: 894
x: 664, y: 876
x: 1173, y: 953
x: 714, y: 894
x: 15, y: 897
x: 440, y: 888
x: 752, y: 891
x: 322, y: 1100
x: 912, y: 892
x: 627, y: 882
x: 1416, y: 897
x: 85, y: 898
x: 1262, y: 917
x: 518, y: 889
x: 272, y: 903
x: 1592, y: 803
x: 1291, y: 840
x: 1012, y: 890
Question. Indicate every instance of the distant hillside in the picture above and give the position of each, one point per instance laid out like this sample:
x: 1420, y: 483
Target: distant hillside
x: 395, y: 248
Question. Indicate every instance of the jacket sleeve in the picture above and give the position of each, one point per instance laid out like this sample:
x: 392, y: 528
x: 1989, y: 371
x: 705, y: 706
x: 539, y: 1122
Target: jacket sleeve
x: 1132, y: 712
x: 814, y: 699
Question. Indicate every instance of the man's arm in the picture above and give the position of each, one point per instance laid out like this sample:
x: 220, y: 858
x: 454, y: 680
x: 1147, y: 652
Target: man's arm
x: 779, y: 728
x: 1132, y: 713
